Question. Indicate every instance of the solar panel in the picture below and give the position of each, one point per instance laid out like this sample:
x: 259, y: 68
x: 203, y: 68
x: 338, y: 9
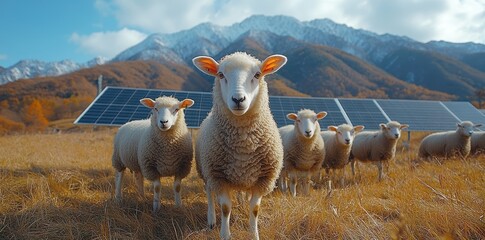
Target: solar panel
x: 363, y: 112
x: 420, y: 115
x: 116, y: 106
x: 465, y: 111
x: 281, y: 106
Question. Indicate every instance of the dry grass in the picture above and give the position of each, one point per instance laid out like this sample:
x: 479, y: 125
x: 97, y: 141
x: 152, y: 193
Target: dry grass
x: 60, y: 186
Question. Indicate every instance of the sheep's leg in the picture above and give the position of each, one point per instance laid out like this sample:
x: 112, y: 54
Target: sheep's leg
x: 306, y: 185
x: 352, y: 165
x: 211, y: 211
x: 254, y: 204
x: 226, y: 205
x: 157, y: 188
x: 293, y: 182
x: 379, y: 168
x: 342, y: 177
x: 118, y: 182
x: 176, y: 190
x: 386, y: 168
x: 139, y: 183
x: 283, y: 184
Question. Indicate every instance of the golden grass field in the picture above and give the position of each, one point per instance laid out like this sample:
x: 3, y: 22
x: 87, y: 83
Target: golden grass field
x: 61, y: 186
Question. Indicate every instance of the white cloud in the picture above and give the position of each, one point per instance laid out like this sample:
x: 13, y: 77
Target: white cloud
x: 108, y: 44
x: 423, y: 20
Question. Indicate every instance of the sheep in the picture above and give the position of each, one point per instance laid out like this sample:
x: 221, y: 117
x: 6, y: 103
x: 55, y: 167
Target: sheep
x: 238, y: 147
x: 478, y: 143
x: 376, y: 146
x: 160, y: 146
x: 338, y: 143
x: 303, y: 148
x: 448, y: 144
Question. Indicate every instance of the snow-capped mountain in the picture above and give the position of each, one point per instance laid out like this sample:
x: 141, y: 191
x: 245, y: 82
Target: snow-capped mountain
x: 209, y: 39
x: 34, y: 68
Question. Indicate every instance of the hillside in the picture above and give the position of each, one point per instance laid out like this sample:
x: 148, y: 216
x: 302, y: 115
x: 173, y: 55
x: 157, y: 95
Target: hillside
x: 434, y: 71
x: 476, y: 61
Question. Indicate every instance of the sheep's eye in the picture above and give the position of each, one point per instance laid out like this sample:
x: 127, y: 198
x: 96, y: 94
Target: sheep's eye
x: 298, y: 120
x: 257, y: 75
x: 155, y: 109
x: 220, y: 75
x: 176, y: 110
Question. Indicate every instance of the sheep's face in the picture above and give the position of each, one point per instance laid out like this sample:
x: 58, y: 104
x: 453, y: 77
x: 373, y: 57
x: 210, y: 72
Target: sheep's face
x: 392, y: 130
x: 465, y: 128
x: 306, y: 122
x: 346, y: 133
x: 239, y: 76
x: 165, y: 110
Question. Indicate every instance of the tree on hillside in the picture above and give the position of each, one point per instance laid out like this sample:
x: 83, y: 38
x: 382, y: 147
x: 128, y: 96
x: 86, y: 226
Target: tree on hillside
x: 480, y: 95
x: 33, y: 116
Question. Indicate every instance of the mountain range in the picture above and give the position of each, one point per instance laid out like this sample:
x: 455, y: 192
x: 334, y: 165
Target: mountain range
x: 283, y: 34
x: 325, y: 59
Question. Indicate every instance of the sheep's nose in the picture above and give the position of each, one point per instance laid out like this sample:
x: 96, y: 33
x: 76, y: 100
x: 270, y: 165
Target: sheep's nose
x: 238, y: 100
x: 347, y: 141
x: 163, y: 122
x: 397, y: 135
x: 308, y: 132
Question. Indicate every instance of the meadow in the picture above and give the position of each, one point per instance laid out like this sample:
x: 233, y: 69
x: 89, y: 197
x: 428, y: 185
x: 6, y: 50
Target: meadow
x: 61, y: 186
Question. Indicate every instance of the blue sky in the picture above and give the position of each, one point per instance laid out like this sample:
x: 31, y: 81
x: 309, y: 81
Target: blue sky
x: 53, y: 30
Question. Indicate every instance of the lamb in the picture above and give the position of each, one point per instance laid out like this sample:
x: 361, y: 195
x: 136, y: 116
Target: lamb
x: 376, y: 146
x: 448, y: 144
x: 478, y: 143
x: 338, y: 143
x: 160, y: 146
x: 303, y: 148
x: 238, y: 147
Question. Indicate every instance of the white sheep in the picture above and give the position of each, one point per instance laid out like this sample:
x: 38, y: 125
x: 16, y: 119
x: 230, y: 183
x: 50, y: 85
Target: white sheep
x: 238, y: 147
x: 303, y: 148
x: 338, y: 143
x: 478, y: 143
x: 448, y: 144
x: 160, y: 146
x: 378, y: 147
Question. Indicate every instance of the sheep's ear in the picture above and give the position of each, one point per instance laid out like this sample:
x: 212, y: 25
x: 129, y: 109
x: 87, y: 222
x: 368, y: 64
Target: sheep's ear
x: 272, y: 64
x: 186, y: 103
x: 478, y: 125
x: 147, y: 102
x: 292, y: 116
x: 383, y: 126
x: 358, y: 128
x: 321, y: 115
x: 404, y: 126
x: 207, y: 65
x: 332, y: 128
x: 458, y: 125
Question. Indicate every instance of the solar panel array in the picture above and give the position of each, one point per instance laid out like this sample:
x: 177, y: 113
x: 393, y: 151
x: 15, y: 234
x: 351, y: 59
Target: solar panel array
x: 116, y: 106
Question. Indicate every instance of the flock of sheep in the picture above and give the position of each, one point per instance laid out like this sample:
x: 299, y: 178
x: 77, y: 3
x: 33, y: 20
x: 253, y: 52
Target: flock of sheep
x: 240, y: 149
